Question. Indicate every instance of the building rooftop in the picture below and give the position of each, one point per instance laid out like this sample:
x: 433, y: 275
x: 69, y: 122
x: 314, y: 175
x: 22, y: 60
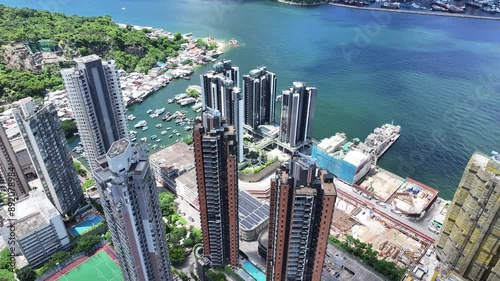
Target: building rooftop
x: 382, y: 183
x: 178, y: 156
x: 327, y: 183
x: 488, y: 163
x: 118, y: 147
x: 356, y: 157
x: 189, y: 180
x: 332, y: 143
x: 87, y: 59
x: 25, y: 100
x: 31, y: 212
x: 413, y: 197
x: 18, y: 144
x: 252, y: 212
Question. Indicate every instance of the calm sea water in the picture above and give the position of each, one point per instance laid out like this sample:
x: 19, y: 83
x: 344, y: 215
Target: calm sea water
x: 438, y: 77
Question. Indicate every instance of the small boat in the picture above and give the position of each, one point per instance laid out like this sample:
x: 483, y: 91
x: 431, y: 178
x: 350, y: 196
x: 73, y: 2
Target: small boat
x: 133, y: 139
x: 144, y: 139
x: 163, y: 132
x: 153, y: 137
x: 178, y: 134
x: 170, y: 136
x: 159, y: 125
x: 187, y: 128
x: 145, y: 128
x: 158, y: 140
x: 160, y: 111
x: 154, y: 146
x: 165, y: 117
x: 170, y: 101
x: 149, y: 111
x: 178, y: 140
x: 140, y: 124
x: 174, y: 131
x: 168, y: 128
x: 133, y: 132
x: 131, y: 117
x: 187, y: 78
x: 154, y: 115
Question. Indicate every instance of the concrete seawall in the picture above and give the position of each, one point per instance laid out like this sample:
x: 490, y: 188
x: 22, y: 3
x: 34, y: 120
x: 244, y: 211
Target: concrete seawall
x: 416, y: 12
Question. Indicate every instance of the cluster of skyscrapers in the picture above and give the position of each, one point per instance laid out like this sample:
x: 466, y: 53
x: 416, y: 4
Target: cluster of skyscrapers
x: 302, y: 196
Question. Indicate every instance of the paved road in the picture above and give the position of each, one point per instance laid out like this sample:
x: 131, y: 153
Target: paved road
x: 421, y: 226
x: 188, y: 211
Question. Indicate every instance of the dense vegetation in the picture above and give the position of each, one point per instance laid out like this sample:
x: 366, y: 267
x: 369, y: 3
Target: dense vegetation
x: 17, y: 84
x: 179, y: 236
x: 80, y: 169
x: 26, y: 274
x: 367, y: 255
x: 6, y: 273
x: 88, y: 183
x: 257, y: 169
x: 84, y: 244
x: 69, y: 128
x: 131, y: 48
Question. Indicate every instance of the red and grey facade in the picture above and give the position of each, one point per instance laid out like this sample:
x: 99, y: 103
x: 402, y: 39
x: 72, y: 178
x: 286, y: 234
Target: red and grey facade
x: 216, y: 160
x: 299, y: 223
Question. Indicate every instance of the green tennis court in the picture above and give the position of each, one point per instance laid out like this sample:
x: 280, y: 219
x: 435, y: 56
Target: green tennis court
x: 98, y: 267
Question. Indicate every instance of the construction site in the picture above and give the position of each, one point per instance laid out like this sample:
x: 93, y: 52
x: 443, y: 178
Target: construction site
x: 392, y: 241
x: 380, y: 184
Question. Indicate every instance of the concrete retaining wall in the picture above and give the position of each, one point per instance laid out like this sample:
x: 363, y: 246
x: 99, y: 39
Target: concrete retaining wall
x: 260, y: 175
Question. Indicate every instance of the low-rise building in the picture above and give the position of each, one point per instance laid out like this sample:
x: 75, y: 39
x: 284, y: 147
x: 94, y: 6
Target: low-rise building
x: 37, y: 226
x: 186, y: 188
x: 254, y: 216
x: 171, y: 162
x: 342, y: 158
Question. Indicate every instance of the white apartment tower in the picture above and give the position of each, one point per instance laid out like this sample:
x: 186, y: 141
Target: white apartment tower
x: 130, y: 200
x: 220, y: 90
x: 94, y: 95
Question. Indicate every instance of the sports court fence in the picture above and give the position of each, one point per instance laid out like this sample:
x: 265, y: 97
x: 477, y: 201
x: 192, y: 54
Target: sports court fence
x: 73, y: 258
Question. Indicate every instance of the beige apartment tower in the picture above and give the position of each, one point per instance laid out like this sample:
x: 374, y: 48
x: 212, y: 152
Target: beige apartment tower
x: 469, y: 240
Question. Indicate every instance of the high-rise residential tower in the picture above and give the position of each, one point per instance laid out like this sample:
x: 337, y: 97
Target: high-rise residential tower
x: 469, y: 240
x: 216, y: 161
x: 94, y: 95
x: 130, y: 201
x: 259, y: 89
x: 298, y: 105
x: 299, y: 223
x: 11, y: 173
x: 44, y: 137
x: 220, y: 91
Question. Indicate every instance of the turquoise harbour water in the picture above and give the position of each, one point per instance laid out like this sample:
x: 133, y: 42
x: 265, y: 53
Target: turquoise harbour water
x: 438, y: 77
x: 90, y: 221
x: 255, y: 272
